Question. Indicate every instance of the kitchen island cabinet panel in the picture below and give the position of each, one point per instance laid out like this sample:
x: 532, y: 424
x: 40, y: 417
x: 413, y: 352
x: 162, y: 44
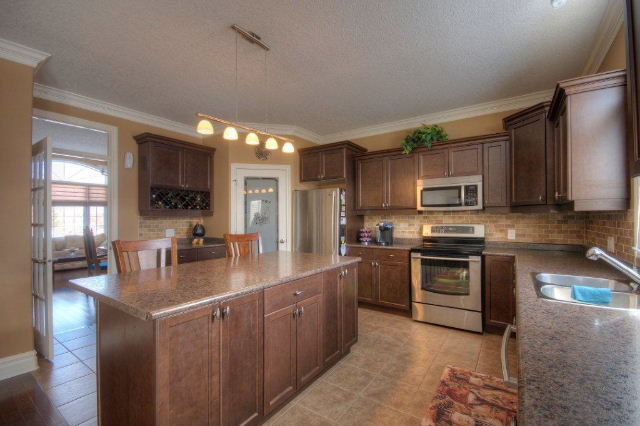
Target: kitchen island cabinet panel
x: 279, y: 358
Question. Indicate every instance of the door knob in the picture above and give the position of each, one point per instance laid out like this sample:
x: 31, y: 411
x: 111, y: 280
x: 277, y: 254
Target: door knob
x: 282, y: 241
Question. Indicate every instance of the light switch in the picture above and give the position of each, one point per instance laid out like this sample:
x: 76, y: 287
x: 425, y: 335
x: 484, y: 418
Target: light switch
x: 611, y: 244
x: 511, y: 234
x: 169, y: 232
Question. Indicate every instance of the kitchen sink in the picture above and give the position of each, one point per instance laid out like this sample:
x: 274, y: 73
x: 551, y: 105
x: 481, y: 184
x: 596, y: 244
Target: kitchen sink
x: 558, y: 287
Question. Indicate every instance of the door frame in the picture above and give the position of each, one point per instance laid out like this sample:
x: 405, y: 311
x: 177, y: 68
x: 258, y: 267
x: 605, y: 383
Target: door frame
x: 112, y: 165
x: 286, y: 190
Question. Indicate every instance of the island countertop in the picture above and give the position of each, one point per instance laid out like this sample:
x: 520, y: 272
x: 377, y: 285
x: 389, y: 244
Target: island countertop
x: 578, y: 364
x: 155, y: 293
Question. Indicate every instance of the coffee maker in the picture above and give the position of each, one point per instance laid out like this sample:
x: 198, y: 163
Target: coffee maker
x: 384, y: 233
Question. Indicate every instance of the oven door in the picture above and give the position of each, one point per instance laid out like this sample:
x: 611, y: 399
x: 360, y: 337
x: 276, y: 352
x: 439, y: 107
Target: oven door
x: 441, y: 197
x: 447, y: 281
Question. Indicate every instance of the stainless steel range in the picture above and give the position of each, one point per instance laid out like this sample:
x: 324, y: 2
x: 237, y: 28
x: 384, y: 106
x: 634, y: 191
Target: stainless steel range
x: 446, y: 276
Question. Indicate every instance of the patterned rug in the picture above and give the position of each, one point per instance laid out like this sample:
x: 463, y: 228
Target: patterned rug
x: 467, y: 398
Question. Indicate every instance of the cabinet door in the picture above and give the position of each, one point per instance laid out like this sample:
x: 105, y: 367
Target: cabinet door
x: 185, y: 255
x: 393, y: 284
x: 370, y: 183
x: 197, y: 170
x: 279, y: 357
x: 206, y: 253
x: 433, y: 164
x: 561, y: 144
x: 165, y: 165
x: 349, y: 302
x: 310, y: 166
x: 528, y: 162
x: 496, y: 178
x: 333, y: 164
x: 500, y: 301
x: 331, y: 331
x: 366, y: 281
x: 401, y: 182
x: 188, y: 346
x: 465, y: 160
x: 241, y: 360
x: 309, y: 340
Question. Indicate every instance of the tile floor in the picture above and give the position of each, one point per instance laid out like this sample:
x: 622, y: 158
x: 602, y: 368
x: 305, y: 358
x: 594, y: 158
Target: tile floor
x: 388, y: 378
x: 391, y: 373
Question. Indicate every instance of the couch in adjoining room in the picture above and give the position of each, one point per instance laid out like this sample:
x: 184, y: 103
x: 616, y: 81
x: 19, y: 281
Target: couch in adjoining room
x: 68, y: 251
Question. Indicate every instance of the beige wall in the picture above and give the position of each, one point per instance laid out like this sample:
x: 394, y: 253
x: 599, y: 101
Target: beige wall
x: 616, y: 57
x: 16, y: 86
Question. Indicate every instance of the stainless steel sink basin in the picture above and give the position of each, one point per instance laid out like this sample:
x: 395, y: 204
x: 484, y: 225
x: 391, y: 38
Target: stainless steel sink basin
x: 558, y: 287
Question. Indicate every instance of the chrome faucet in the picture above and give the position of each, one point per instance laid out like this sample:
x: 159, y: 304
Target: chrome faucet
x: 595, y: 253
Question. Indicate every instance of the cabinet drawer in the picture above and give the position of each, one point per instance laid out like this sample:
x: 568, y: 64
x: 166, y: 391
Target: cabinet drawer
x: 391, y: 255
x: 187, y: 255
x: 206, y: 253
x: 284, y: 295
x: 364, y: 253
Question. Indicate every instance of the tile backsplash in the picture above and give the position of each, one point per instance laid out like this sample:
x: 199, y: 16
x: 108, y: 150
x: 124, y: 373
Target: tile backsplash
x: 619, y: 225
x: 150, y: 227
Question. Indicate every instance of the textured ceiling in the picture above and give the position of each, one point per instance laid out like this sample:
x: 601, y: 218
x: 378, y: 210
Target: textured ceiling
x: 71, y: 138
x: 334, y: 65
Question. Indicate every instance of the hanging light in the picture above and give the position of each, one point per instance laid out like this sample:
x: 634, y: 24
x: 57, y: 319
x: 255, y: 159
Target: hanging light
x: 271, y: 143
x: 252, y: 139
x: 557, y: 4
x: 230, y: 133
x: 287, y: 148
x: 205, y: 127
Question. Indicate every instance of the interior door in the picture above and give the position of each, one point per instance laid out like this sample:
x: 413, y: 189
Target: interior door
x: 42, y: 267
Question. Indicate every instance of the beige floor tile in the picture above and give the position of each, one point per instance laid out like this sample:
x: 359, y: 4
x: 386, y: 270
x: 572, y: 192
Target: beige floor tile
x: 85, y: 352
x: 489, y: 363
x: 59, y: 360
x: 70, y: 335
x: 297, y: 415
x: 399, y: 396
x: 431, y: 379
x: 406, y: 371
x: 80, y: 342
x: 90, y: 422
x: 373, y: 362
x: 349, y: 378
x: 364, y: 412
x: 91, y: 363
x: 328, y: 400
x: 67, y: 392
x: 80, y: 410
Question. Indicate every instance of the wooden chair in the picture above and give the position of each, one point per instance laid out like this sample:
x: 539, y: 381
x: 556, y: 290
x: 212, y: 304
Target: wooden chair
x: 138, y: 255
x: 94, y: 262
x: 243, y: 244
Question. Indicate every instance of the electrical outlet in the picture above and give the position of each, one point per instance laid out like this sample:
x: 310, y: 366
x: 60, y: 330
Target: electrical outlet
x: 511, y: 234
x: 170, y: 232
x: 611, y: 244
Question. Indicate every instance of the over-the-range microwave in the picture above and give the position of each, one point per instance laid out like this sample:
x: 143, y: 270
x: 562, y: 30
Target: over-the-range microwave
x: 450, y: 193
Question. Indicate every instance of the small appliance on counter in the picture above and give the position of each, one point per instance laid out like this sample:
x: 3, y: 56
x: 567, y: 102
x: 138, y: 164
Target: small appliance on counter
x: 365, y: 236
x: 384, y: 233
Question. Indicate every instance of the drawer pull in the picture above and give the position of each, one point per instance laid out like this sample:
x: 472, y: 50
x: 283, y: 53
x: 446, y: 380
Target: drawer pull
x: 298, y: 293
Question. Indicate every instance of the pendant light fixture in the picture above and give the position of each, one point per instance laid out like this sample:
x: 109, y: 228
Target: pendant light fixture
x: 271, y: 143
x: 230, y: 132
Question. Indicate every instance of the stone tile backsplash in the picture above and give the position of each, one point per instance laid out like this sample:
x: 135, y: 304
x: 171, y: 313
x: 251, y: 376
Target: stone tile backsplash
x: 619, y: 225
x: 150, y: 227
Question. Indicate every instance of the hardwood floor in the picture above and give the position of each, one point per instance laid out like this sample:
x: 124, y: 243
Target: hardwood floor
x: 71, y: 309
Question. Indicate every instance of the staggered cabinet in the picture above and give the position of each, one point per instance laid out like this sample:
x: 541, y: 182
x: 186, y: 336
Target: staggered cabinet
x: 459, y: 160
x: 500, y: 292
x: 331, y: 163
x: 174, y: 177
x: 383, y: 276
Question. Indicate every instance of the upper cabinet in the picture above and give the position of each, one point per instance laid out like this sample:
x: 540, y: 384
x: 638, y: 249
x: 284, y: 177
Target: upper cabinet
x: 531, y: 156
x: 437, y: 162
x: 330, y: 162
x: 589, y: 127
x: 496, y: 171
x: 632, y: 23
x: 385, y: 180
x: 174, y: 177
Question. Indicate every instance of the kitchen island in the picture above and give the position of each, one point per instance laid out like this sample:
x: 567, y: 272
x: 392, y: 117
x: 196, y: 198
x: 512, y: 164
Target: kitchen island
x: 225, y: 341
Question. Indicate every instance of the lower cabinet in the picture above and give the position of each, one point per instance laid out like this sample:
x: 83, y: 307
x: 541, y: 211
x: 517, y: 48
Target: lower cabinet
x: 349, y: 305
x: 194, y: 254
x: 500, y: 293
x: 393, y: 284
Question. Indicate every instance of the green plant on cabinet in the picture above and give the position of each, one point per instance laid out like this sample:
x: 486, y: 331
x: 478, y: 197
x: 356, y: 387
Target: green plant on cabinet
x: 424, y: 136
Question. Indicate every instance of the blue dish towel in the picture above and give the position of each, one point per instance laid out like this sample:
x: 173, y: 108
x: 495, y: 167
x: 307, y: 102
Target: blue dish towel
x: 591, y: 294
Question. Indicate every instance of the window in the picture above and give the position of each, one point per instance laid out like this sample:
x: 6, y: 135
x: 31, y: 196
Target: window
x: 71, y: 171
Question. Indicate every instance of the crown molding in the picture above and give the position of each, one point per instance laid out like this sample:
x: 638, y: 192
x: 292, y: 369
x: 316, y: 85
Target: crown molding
x: 22, y: 54
x: 484, y: 108
x: 610, y: 24
x: 95, y: 105
x: 288, y: 130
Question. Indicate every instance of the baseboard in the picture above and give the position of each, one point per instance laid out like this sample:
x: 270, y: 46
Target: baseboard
x: 15, y: 365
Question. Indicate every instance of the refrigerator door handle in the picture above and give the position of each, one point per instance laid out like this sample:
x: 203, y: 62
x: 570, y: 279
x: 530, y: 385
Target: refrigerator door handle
x: 334, y: 232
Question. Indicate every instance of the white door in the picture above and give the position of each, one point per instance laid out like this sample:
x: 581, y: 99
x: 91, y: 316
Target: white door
x: 42, y: 268
x: 261, y: 202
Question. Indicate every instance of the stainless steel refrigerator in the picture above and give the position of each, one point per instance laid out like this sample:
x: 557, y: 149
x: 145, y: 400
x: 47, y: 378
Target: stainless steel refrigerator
x: 319, y: 220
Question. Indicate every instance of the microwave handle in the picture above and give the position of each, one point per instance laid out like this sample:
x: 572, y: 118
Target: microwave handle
x: 447, y: 258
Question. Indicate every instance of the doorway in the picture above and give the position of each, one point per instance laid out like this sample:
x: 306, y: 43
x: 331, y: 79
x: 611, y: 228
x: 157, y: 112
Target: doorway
x: 261, y: 202
x: 76, y: 162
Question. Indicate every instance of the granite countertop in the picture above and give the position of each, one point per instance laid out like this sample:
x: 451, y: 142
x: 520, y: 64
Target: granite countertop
x: 579, y: 365
x: 185, y: 243
x: 398, y: 244
x: 155, y: 293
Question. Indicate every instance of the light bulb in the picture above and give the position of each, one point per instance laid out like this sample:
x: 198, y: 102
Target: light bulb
x: 271, y: 143
x: 288, y: 148
x: 230, y: 133
x: 557, y: 4
x: 205, y: 127
x: 252, y: 139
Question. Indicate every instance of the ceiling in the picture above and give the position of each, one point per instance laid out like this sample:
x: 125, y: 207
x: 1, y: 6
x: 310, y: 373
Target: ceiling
x: 334, y: 65
x: 71, y: 138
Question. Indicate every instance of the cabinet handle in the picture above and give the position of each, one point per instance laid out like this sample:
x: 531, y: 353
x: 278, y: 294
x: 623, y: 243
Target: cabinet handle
x: 226, y: 312
x: 295, y: 312
x: 540, y: 197
x: 392, y: 255
x: 301, y: 311
x: 215, y: 314
x: 298, y: 293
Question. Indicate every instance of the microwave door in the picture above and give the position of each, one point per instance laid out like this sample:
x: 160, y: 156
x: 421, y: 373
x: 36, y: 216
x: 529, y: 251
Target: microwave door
x: 442, y: 196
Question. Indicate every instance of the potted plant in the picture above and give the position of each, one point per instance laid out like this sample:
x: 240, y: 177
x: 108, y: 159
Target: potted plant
x: 423, y: 136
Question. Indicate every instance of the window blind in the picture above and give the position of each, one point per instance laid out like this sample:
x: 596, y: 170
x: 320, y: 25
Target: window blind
x: 78, y: 194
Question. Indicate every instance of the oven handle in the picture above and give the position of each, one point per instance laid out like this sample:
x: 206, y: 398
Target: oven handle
x: 466, y: 259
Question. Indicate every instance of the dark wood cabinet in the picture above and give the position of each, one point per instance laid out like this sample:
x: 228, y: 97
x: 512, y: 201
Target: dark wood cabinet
x: 496, y: 173
x: 385, y: 182
x: 349, y: 307
x: 309, y: 355
x: 465, y: 160
x: 187, y: 255
x: 499, y: 295
x: 194, y: 254
x: 279, y: 357
x: 383, y: 276
x: 585, y: 111
x: 174, y: 177
x: 327, y: 162
x: 442, y: 161
x: 532, y: 171
x: 433, y: 163
x: 632, y: 24
x: 331, y: 303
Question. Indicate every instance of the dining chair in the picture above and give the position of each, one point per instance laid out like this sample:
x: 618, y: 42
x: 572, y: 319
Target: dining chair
x: 146, y: 254
x: 243, y: 244
x: 95, y: 262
